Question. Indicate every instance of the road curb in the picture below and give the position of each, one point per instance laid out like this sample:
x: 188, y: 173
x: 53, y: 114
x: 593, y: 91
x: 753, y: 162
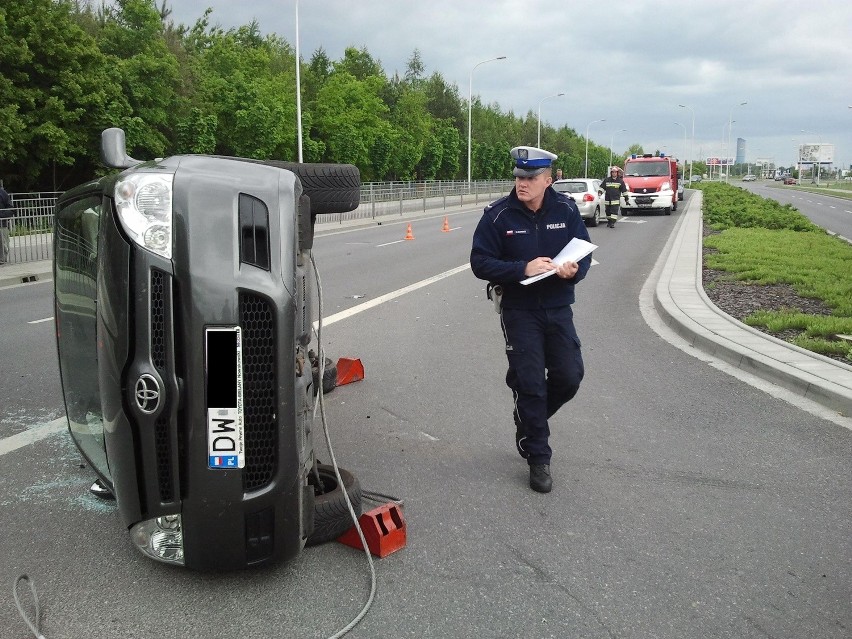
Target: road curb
x: 685, y: 308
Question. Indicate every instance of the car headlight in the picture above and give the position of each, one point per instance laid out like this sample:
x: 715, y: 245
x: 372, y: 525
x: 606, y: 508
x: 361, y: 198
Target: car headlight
x: 666, y: 186
x: 160, y: 538
x: 144, y: 205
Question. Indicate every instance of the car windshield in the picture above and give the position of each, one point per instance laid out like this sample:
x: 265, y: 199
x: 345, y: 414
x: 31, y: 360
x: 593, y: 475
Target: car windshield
x: 570, y: 187
x: 647, y: 169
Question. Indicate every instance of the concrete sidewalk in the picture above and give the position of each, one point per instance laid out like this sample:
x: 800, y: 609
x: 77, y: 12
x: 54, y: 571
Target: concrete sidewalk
x: 682, y: 305
x: 28, y: 272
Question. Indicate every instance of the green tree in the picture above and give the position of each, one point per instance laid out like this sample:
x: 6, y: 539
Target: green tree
x: 348, y: 117
x: 146, y: 71
x: 360, y: 64
x: 56, y: 91
x: 248, y: 83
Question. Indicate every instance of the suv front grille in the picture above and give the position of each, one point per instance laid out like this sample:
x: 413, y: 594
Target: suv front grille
x: 162, y: 433
x: 260, y: 384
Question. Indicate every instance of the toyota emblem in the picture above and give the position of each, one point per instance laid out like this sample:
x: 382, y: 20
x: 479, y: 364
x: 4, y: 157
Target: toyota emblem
x: 147, y: 394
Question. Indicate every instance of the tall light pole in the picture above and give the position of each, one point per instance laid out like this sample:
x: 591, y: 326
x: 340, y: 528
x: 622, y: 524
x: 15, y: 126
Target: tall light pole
x: 723, y: 151
x: 692, y: 143
x: 298, y: 86
x: 470, y: 108
x: 555, y: 95
x: 611, y: 143
x: 684, y: 138
x: 586, y: 171
x: 728, y: 146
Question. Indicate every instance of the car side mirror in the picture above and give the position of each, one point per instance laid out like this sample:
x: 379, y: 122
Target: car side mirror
x: 114, y: 150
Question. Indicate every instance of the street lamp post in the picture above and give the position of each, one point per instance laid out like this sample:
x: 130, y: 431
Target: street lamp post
x: 723, y: 152
x: 612, y: 142
x: 586, y: 171
x: 728, y: 146
x: 470, y: 108
x: 692, y: 143
x: 298, y: 86
x: 684, y: 142
x: 555, y: 95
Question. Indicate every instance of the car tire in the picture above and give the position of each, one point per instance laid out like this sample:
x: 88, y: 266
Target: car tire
x: 331, y: 514
x: 329, y: 373
x: 594, y: 219
x: 332, y: 188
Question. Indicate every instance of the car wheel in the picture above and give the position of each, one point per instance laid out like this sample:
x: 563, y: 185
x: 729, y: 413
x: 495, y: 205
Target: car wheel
x: 332, y: 188
x: 329, y: 374
x: 331, y: 514
x: 594, y: 219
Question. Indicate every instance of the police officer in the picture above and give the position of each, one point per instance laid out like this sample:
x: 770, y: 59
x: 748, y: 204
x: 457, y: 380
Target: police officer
x: 517, y: 237
x: 612, y: 188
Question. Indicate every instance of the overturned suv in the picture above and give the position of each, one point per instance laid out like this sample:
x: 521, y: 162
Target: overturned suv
x: 183, y: 317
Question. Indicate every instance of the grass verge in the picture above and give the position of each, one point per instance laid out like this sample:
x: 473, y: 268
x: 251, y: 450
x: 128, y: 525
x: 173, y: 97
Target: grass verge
x: 762, y: 242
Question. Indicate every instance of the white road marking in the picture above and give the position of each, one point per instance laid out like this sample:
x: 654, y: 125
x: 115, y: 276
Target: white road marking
x: 31, y: 436
x: 389, y: 243
x: 46, y: 319
x: 390, y: 296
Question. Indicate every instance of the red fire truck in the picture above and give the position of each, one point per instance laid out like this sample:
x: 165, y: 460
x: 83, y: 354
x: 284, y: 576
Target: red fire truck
x: 652, y: 183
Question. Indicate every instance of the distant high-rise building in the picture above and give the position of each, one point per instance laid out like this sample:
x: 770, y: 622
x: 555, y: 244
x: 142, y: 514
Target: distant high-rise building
x: 740, y: 151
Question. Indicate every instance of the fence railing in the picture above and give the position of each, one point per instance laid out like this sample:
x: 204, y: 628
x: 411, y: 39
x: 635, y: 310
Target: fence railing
x: 31, y: 228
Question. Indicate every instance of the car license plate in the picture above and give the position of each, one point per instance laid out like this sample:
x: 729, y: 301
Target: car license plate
x: 224, y: 388
x: 644, y: 205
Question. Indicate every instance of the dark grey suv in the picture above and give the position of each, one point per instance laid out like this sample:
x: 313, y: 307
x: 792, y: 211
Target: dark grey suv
x: 183, y: 317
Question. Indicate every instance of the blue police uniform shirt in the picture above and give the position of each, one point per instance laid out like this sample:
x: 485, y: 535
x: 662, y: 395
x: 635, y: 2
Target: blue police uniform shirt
x: 509, y: 236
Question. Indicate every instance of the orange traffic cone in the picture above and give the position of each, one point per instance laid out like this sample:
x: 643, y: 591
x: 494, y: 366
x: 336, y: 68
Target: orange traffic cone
x: 408, y: 234
x: 446, y: 228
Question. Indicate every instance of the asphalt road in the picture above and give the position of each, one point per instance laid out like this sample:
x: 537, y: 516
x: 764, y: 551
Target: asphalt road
x: 686, y: 503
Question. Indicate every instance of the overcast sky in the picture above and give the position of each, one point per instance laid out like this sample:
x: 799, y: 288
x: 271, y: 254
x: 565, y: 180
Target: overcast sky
x: 630, y: 63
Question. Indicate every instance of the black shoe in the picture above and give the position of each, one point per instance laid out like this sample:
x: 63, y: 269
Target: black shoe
x: 610, y: 225
x: 540, y: 479
x: 99, y: 490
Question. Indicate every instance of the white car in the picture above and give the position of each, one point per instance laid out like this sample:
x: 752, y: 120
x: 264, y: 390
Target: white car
x: 749, y: 178
x: 584, y: 191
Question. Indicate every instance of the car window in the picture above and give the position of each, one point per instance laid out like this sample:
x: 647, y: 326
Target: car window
x: 570, y: 187
x: 76, y: 262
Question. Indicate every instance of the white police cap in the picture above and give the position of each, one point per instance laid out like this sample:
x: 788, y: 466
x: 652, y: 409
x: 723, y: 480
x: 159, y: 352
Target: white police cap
x: 530, y: 161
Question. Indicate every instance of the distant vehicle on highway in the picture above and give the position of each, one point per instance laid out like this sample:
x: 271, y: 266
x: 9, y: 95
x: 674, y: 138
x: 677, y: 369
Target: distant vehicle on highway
x: 789, y: 180
x: 695, y: 178
x: 584, y: 191
x: 749, y: 178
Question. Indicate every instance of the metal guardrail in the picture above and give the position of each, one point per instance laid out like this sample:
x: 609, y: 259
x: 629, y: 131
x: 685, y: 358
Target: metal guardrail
x: 31, y: 229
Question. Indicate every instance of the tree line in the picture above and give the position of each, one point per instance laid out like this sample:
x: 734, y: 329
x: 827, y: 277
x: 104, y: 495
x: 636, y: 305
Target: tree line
x: 71, y: 68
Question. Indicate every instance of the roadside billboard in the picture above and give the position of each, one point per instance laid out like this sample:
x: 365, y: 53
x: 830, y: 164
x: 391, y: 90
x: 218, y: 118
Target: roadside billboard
x: 816, y: 154
x: 719, y: 162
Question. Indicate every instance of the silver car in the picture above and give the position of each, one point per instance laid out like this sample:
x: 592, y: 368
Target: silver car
x: 584, y: 191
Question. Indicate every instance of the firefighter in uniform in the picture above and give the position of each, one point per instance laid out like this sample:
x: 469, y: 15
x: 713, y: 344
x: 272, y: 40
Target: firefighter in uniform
x: 612, y: 188
x: 517, y: 237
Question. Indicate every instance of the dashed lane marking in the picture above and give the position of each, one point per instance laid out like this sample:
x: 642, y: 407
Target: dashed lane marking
x: 13, y: 443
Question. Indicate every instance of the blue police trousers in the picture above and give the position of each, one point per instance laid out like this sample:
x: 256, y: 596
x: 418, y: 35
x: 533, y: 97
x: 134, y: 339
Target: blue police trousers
x: 545, y: 370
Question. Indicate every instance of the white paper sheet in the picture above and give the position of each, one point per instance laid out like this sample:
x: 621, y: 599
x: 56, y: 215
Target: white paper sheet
x: 574, y: 251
